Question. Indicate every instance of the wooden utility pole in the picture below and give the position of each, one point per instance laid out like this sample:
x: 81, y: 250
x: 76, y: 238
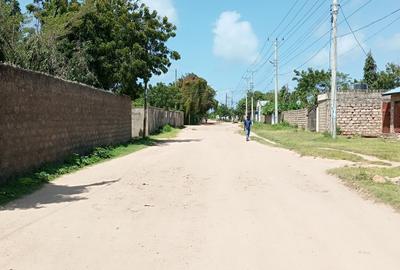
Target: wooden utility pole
x: 276, y: 64
x: 335, y: 11
x: 145, y: 110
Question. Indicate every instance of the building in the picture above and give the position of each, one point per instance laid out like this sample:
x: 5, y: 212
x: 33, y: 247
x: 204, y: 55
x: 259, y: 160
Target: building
x: 391, y: 112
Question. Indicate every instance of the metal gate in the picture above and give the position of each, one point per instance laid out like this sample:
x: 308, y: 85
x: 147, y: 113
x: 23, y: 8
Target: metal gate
x: 312, y: 119
x: 386, y: 117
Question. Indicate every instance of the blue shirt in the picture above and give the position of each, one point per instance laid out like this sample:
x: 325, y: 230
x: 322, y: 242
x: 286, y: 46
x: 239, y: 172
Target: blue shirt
x: 247, y: 124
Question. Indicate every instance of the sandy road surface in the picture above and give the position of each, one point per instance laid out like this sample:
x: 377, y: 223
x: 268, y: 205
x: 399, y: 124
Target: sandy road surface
x: 207, y: 200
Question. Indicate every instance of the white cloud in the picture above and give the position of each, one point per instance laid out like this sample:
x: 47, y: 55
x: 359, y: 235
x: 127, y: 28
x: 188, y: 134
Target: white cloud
x: 234, y: 39
x: 390, y: 44
x: 164, y: 8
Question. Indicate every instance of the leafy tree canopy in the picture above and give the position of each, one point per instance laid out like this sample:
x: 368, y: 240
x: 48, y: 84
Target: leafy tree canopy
x: 197, y: 97
x: 10, y: 28
x: 165, y: 96
x: 114, y: 45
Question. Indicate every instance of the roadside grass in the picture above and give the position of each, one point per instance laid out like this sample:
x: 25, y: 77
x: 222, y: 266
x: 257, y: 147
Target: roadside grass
x: 361, y: 179
x: 316, y: 144
x: 167, y: 132
x: 20, y: 186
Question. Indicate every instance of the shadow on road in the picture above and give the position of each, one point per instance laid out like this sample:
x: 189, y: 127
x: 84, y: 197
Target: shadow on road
x: 53, y: 193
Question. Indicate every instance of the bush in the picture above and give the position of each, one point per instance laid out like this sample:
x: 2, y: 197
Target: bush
x: 102, y: 153
x: 166, y: 128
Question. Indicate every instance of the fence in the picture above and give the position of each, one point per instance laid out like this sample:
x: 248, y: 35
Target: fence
x: 303, y: 118
x: 44, y: 119
x: 156, y: 119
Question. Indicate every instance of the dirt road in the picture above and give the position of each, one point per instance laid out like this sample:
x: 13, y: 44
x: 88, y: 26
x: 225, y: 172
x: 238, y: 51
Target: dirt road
x: 205, y: 201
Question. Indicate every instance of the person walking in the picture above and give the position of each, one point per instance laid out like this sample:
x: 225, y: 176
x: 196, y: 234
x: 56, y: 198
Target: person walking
x: 247, y: 127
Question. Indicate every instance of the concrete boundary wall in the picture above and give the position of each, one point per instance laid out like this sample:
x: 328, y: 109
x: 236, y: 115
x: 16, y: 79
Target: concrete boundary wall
x: 44, y: 119
x: 358, y: 113
x: 296, y: 117
x: 157, y: 118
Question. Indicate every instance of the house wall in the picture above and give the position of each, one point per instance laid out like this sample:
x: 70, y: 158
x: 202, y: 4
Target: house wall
x: 358, y: 113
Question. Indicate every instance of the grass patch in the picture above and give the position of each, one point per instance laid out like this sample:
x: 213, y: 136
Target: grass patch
x: 310, y: 143
x: 166, y: 132
x: 257, y: 139
x: 361, y: 179
x: 18, y: 187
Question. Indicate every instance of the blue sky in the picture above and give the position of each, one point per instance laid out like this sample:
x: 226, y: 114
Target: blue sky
x: 218, y: 40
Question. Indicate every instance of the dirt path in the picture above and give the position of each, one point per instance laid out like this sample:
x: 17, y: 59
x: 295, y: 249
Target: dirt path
x: 207, y: 200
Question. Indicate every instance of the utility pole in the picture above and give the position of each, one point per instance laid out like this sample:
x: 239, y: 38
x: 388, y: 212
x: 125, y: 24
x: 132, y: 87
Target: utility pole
x: 145, y: 110
x: 246, y: 105
x: 226, y: 99
x: 231, y: 99
x: 176, y: 77
x: 252, y: 95
x: 276, y: 63
x: 335, y: 11
x: 247, y: 96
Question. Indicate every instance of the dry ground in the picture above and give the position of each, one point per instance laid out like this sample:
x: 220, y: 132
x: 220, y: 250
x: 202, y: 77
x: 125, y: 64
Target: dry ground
x: 206, y: 200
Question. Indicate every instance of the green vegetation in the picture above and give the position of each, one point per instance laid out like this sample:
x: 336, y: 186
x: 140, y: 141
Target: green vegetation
x: 167, y: 132
x: 222, y: 111
x: 190, y: 94
x: 312, y: 82
x: 115, y: 45
x: 316, y: 144
x: 165, y: 96
x: 370, y: 70
x: 385, y: 79
x: 16, y: 188
x: 362, y: 179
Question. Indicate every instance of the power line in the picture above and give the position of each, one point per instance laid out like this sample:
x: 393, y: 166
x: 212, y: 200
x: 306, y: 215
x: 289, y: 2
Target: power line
x: 294, y: 18
x: 300, y: 41
x: 305, y: 18
x: 374, y: 34
x: 371, y: 23
x: 308, y: 60
x: 285, y: 17
x: 354, y: 35
x: 252, y: 65
x: 322, y: 36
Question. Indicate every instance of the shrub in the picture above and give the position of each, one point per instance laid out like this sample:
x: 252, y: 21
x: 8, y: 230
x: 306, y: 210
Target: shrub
x: 166, y: 128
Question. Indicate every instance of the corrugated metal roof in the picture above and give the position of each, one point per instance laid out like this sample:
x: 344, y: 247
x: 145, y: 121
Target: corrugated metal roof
x: 392, y: 92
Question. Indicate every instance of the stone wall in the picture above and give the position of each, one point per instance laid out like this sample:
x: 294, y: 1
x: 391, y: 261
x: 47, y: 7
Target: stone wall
x: 358, y: 113
x: 296, y: 117
x: 44, y: 119
x: 156, y: 119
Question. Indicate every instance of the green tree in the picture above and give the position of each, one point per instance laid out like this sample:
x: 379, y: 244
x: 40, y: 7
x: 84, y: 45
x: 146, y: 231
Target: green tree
x: 10, y: 29
x: 197, y: 97
x: 116, y: 45
x: 370, y: 71
x: 389, y: 78
x: 224, y: 111
x: 165, y: 96
x: 310, y: 83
